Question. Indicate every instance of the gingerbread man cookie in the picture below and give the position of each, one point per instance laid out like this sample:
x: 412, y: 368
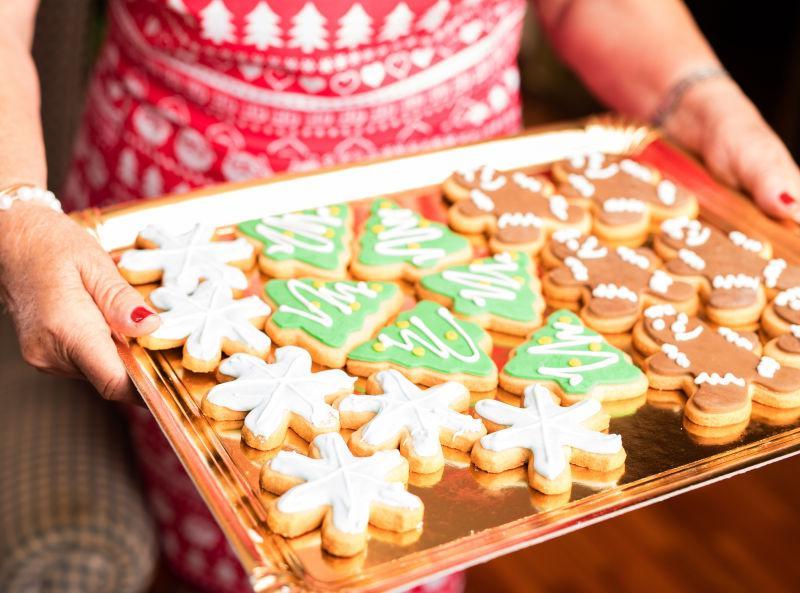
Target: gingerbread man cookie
x: 732, y: 271
x: 628, y: 199
x: 208, y: 323
x: 614, y: 283
x: 312, y: 242
x: 781, y: 321
x: 399, y: 243
x: 271, y: 398
x: 574, y: 361
x: 547, y: 437
x: 499, y: 293
x: 416, y: 421
x: 516, y: 211
x: 429, y: 345
x: 340, y: 492
x: 720, y: 370
x: 182, y: 260
x: 330, y: 318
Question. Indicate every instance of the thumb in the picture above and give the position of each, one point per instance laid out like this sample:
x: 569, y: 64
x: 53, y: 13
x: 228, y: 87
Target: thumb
x: 123, y: 307
x: 765, y: 169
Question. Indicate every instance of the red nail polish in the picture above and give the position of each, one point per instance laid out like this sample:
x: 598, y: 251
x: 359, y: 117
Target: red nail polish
x: 139, y: 314
x: 786, y: 199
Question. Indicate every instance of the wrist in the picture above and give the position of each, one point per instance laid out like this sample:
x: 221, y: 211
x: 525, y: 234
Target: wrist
x: 24, y: 192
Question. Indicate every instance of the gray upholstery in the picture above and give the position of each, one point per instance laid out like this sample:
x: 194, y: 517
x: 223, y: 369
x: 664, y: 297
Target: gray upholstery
x: 72, y: 518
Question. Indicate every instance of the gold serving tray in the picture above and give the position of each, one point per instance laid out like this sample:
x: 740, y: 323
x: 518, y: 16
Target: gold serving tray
x: 470, y: 516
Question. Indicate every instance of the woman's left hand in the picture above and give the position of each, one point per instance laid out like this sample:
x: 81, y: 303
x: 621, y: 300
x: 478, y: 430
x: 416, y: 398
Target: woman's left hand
x: 722, y: 125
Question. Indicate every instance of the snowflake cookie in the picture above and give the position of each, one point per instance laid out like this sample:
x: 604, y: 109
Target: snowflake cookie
x: 547, y: 437
x: 208, y: 323
x: 614, y: 283
x: 516, y: 211
x: 719, y: 370
x: 574, y: 361
x: 499, y: 293
x: 399, y: 243
x: 329, y: 318
x: 182, y: 260
x: 628, y: 199
x: 733, y: 271
x: 416, y: 421
x: 312, y: 242
x: 272, y: 398
x: 340, y: 492
x: 429, y: 345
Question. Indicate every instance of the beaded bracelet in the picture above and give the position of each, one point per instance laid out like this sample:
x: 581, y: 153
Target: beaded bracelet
x: 674, y: 95
x: 28, y: 193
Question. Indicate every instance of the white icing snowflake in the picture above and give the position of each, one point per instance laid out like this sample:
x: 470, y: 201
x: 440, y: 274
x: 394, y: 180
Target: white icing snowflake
x: 207, y: 318
x: 405, y: 407
x: 187, y: 258
x: 545, y: 428
x: 348, y: 485
x: 270, y: 392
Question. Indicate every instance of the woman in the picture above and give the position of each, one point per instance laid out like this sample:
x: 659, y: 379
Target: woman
x: 191, y: 92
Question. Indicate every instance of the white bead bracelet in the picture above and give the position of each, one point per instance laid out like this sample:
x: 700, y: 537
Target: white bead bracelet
x: 28, y: 193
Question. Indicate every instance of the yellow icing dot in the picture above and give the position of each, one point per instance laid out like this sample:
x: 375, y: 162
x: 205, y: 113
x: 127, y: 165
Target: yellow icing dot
x: 378, y: 347
x: 378, y: 228
x: 376, y: 287
x: 316, y: 304
x: 574, y: 362
x: 514, y: 255
x: 318, y: 284
x: 485, y: 283
x: 565, y: 319
x: 414, y: 246
x: 355, y: 305
x: 418, y: 351
x: 423, y: 223
x: 288, y: 233
x: 334, y: 210
x: 402, y: 324
x: 595, y: 347
x: 545, y: 340
x: 451, y: 335
x: 385, y: 204
x: 518, y: 279
x: 329, y: 233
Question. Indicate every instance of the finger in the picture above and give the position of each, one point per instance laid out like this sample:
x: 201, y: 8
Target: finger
x: 765, y: 169
x: 123, y: 307
x: 92, y: 350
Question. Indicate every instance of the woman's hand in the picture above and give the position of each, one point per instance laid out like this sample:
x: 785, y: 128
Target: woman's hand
x: 65, y: 297
x: 715, y: 119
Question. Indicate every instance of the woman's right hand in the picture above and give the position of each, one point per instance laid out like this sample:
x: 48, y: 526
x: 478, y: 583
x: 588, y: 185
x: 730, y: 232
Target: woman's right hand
x: 65, y: 297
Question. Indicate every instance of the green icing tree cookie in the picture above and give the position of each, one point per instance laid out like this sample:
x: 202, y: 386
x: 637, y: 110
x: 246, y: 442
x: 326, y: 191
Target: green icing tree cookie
x: 329, y: 318
x: 575, y: 360
x: 313, y: 241
x: 498, y: 292
x: 398, y: 242
x: 429, y: 345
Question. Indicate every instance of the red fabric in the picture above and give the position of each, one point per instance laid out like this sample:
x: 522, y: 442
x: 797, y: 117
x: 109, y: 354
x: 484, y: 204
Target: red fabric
x: 187, y: 93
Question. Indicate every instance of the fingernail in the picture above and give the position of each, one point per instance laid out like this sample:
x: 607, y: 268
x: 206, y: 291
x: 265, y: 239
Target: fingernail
x: 786, y: 199
x: 139, y: 314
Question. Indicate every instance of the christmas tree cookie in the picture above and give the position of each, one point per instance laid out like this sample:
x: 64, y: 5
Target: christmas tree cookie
x: 399, y: 243
x: 429, y: 346
x: 330, y: 318
x: 311, y: 242
x: 574, y: 361
x: 500, y: 293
